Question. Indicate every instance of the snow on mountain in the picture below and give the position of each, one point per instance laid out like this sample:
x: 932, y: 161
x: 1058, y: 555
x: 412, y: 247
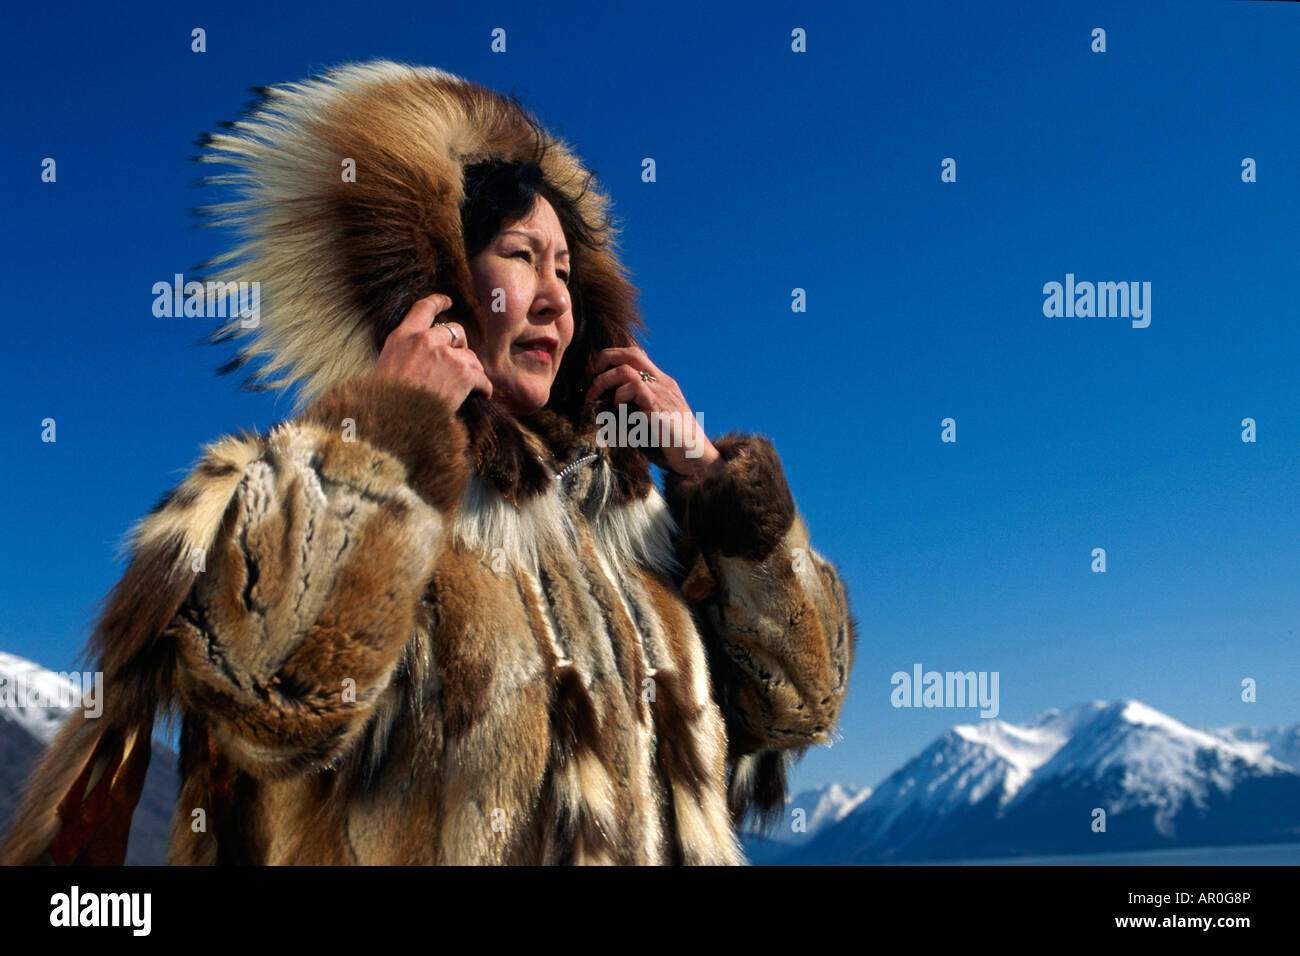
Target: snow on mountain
x: 1280, y: 743
x: 33, y: 698
x: 994, y: 788
x: 1163, y: 764
x: 34, y: 702
x: 966, y: 766
x: 822, y: 807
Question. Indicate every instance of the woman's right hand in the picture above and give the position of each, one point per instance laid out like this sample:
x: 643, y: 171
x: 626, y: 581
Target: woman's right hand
x: 428, y: 355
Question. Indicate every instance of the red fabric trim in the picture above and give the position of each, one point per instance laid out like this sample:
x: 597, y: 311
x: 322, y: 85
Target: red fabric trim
x: 95, y: 826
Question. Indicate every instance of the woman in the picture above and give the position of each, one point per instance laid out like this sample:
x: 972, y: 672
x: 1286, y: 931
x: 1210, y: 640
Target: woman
x: 433, y: 618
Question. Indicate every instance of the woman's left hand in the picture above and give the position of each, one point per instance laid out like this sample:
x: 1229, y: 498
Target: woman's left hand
x: 623, y: 368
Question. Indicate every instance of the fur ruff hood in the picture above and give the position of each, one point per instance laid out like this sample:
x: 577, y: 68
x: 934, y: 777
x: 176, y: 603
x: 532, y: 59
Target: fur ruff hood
x: 341, y: 258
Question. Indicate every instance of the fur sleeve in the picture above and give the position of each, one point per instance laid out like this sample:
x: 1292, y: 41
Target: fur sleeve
x: 780, y: 631
x: 310, y: 590
x: 278, y: 571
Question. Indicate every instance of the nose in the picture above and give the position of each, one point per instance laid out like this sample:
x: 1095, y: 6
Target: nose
x: 552, y: 295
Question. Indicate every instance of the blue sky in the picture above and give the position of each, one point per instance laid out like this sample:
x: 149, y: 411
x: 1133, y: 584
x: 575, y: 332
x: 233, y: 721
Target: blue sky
x: 776, y: 171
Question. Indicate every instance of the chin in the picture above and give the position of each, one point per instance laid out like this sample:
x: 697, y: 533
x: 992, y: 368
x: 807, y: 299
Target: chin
x: 528, y: 397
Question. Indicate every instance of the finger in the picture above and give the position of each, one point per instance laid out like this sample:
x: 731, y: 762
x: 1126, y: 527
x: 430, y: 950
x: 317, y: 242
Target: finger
x: 622, y: 355
x: 630, y: 355
x: 639, y: 392
x: 474, y: 372
x: 453, y: 332
x: 442, y: 335
x: 425, y: 312
x: 607, y: 380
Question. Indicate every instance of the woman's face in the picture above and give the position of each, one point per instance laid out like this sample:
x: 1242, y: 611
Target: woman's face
x: 521, y: 278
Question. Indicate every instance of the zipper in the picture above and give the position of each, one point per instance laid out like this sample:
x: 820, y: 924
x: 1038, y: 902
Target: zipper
x: 574, y: 464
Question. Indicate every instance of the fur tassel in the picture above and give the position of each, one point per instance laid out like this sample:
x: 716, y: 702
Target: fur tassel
x: 757, y: 790
x: 96, y: 820
x: 78, y: 802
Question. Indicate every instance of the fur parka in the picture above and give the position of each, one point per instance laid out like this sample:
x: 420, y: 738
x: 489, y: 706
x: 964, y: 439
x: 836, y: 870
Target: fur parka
x: 386, y: 639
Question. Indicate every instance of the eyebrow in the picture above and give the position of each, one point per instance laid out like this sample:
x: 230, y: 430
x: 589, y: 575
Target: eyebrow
x: 533, y: 238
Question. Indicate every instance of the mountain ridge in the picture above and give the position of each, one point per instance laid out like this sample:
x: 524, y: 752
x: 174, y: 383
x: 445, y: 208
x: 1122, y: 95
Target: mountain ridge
x: 998, y: 789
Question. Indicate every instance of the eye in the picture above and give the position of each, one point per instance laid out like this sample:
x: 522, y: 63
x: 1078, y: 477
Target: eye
x: 527, y: 256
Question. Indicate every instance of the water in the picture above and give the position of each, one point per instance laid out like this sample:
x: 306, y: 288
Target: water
x: 1265, y: 854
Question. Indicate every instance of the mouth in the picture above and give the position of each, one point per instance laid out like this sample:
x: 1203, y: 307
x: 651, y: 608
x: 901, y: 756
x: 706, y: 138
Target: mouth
x: 540, y: 349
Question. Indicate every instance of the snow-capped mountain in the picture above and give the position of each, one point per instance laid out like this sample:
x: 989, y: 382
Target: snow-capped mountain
x: 822, y: 806
x: 34, y: 698
x: 980, y: 790
x: 34, y: 702
x: 995, y: 789
x: 807, y: 813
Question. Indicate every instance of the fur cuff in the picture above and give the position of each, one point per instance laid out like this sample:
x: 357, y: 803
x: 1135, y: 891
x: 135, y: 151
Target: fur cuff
x: 408, y: 422
x: 743, y: 512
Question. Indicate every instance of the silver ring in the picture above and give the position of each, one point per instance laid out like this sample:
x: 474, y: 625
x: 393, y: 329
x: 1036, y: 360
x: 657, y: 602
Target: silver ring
x: 454, y: 336
x: 647, y: 377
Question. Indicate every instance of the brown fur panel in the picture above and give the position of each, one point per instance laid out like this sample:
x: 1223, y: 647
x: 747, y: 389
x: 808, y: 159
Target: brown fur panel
x: 691, y: 735
x: 410, y: 423
x: 491, y: 779
x: 190, y: 843
x: 537, y: 625
x: 493, y: 667
x: 784, y: 630
x: 744, y: 511
x: 674, y: 717
x: 501, y: 450
x: 677, y: 713
x: 407, y: 774
x: 591, y: 621
x: 464, y: 654
x: 576, y: 737
x: 575, y: 726
x: 314, y: 581
x: 305, y: 818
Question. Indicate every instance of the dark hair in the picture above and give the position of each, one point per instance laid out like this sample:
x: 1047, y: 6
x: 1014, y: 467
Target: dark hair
x: 497, y: 192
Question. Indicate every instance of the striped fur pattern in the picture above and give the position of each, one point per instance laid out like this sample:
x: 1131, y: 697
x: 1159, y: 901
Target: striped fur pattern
x: 372, y: 669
